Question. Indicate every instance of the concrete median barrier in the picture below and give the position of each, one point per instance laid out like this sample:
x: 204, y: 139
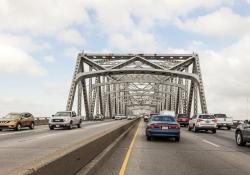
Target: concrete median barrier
x: 70, y: 160
x: 41, y: 122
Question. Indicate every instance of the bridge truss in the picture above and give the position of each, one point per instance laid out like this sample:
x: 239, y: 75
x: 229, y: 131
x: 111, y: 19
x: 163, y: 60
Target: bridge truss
x: 112, y: 84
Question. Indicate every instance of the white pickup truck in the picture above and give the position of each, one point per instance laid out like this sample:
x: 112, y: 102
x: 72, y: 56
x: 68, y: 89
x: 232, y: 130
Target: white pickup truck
x: 65, y: 119
x: 223, y: 121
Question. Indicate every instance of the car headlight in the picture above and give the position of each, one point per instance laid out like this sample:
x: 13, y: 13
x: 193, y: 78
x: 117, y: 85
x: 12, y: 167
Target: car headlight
x: 66, y: 120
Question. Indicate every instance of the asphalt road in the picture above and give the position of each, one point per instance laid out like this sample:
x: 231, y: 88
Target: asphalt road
x: 196, y: 154
x: 18, y: 148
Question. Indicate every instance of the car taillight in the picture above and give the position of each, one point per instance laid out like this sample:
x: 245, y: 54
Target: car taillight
x: 153, y: 126
x: 200, y: 120
x: 214, y: 120
x: 174, y: 126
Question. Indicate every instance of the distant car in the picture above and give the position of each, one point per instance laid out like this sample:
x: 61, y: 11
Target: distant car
x: 152, y: 114
x: 146, y: 118
x: 223, y: 121
x: 65, y: 119
x: 242, y: 134
x: 237, y: 123
x: 17, y: 121
x: 163, y: 126
x: 167, y: 112
x: 131, y: 117
x: 202, y: 122
x: 99, y: 117
x: 118, y: 117
x: 182, y: 119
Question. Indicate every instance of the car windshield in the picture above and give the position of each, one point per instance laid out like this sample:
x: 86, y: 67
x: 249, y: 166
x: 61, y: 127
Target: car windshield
x: 206, y: 116
x: 151, y: 115
x: 220, y: 115
x: 163, y: 118
x: 11, y: 116
x: 62, y: 114
x: 182, y: 116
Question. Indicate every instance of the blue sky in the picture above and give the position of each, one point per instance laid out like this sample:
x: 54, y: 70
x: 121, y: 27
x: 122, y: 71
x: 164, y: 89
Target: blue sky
x: 39, y: 42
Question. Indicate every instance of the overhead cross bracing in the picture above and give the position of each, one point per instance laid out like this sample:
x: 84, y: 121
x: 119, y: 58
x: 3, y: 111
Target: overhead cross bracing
x: 111, y: 84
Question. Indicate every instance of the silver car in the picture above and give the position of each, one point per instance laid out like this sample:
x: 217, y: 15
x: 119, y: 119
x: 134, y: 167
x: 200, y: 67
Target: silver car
x: 203, y: 122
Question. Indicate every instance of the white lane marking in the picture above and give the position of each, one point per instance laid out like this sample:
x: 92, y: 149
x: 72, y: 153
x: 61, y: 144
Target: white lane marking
x: 211, y: 143
x: 20, y: 132
x: 44, y: 136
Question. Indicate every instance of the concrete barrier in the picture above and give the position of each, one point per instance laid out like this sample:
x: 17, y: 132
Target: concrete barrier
x: 70, y: 160
x: 41, y: 121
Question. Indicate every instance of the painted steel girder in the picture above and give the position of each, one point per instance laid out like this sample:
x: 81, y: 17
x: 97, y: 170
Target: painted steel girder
x: 171, y: 73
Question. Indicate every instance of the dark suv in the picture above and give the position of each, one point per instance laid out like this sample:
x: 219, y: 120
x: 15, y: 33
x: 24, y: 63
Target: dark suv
x: 242, y: 133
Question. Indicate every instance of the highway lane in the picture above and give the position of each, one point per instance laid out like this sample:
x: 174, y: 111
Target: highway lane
x: 23, y: 147
x: 196, y: 153
x: 11, y: 134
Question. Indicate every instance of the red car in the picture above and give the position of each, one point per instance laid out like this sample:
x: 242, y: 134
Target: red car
x: 182, y: 119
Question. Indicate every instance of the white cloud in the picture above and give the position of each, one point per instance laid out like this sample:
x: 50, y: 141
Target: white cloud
x: 71, y: 36
x: 49, y: 59
x: 15, y: 60
x: 124, y: 16
x: 38, y: 109
x: 223, y: 22
x: 225, y: 74
x: 71, y: 52
x: 136, y: 42
x: 41, y: 17
x: 23, y: 42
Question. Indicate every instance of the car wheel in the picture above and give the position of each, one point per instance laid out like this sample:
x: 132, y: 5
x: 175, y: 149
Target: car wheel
x: 177, y: 139
x: 195, y: 129
x: 189, y: 128
x: 32, y: 126
x: 70, y: 126
x: 149, y: 138
x: 51, y: 128
x: 214, y: 131
x: 18, y: 127
x: 228, y: 128
x: 79, y: 125
x: 239, y: 139
x: 0, y: 129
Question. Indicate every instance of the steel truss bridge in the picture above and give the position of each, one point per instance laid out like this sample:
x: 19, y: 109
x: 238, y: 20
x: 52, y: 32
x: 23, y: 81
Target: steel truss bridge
x: 112, y: 84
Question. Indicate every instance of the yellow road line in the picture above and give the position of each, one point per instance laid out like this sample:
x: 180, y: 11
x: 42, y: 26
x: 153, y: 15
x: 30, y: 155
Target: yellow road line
x: 125, y: 162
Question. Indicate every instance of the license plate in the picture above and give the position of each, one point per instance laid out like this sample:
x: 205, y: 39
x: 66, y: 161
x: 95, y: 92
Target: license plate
x: 164, y: 128
x: 57, y: 126
x: 207, y: 121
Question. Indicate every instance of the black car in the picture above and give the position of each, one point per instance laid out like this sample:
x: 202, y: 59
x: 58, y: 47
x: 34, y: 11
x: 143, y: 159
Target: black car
x: 242, y: 133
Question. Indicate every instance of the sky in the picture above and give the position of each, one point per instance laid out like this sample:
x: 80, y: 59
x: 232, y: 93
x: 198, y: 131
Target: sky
x: 39, y: 42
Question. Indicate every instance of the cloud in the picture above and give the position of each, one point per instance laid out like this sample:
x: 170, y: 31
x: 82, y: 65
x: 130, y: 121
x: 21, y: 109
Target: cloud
x: 23, y: 42
x: 41, y: 17
x: 136, y: 42
x: 71, y: 36
x: 225, y: 75
x: 49, y: 59
x: 71, y: 52
x: 122, y: 16
x: 38, y: 109
x: 220, y: 23
x: 14, y: 60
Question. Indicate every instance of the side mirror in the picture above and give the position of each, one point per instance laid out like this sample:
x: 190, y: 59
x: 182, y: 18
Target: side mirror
x: 53, y: 115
